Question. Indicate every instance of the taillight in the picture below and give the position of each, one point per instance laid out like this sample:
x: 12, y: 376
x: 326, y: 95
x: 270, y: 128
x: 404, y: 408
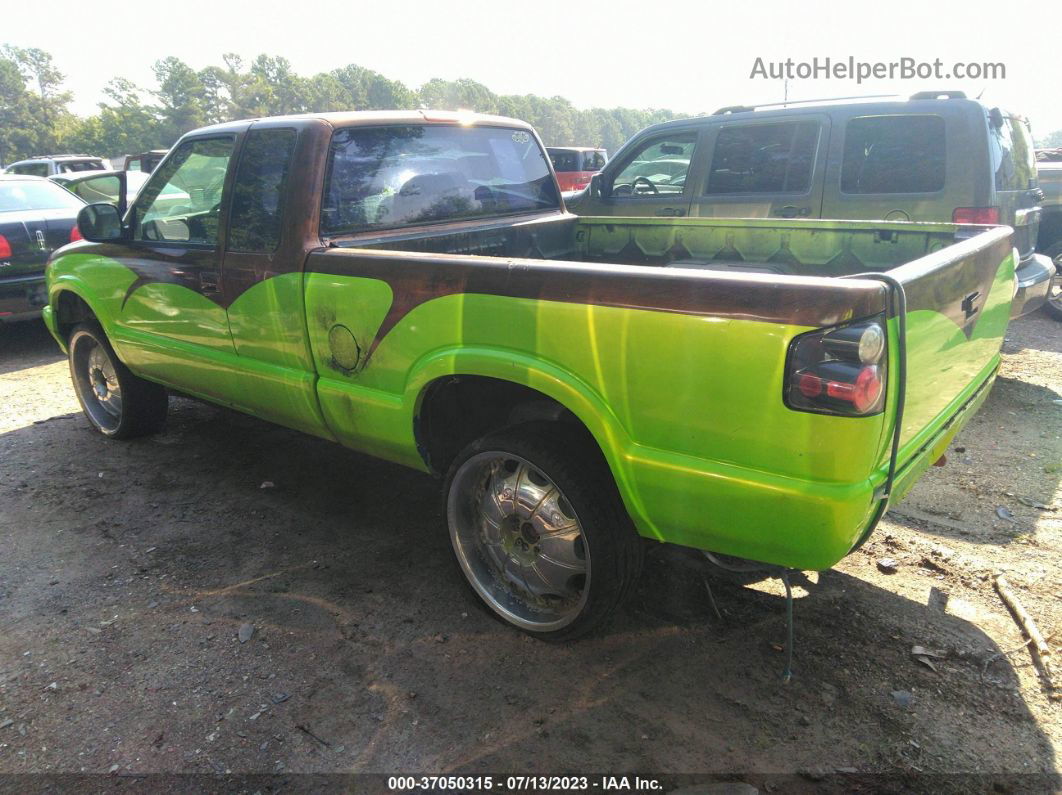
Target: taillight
x: 838, y: 371
x: 5, y: 248
x: 975, y: 215
x: 75, y: 234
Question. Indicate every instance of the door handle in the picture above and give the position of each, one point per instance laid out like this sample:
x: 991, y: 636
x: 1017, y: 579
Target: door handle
x: 671, y: 212
x: 792, y: 211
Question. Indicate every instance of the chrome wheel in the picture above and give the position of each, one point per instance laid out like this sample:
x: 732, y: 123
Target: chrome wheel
x: 1054, y: 295
x: 518, y: 541
x: 97, y: 384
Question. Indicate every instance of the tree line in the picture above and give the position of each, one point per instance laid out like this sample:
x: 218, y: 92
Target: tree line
x: 35, y: 115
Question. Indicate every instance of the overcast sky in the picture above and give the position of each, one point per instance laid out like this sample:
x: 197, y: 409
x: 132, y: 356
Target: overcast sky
x: 686, y: 55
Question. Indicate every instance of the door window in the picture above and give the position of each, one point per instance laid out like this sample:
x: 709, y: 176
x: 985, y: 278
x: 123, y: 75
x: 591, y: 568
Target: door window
x: 658, y: 168
x: 258, y: 192
x: 764, y: 158
x: 182, y: 202
x: 893, y: 154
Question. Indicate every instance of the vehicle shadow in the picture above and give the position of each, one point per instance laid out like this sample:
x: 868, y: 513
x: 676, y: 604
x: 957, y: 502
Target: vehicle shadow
x: 26, y: 344
x: 1010, y: 444
x: 1037, y: 331
x: 366, y: 639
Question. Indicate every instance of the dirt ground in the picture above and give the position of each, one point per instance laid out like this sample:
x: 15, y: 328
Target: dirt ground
x: 129, y: 569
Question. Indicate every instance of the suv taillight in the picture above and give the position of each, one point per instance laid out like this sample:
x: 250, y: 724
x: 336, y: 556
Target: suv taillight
x: 5, y: 248
x: 75, y: 234
x: 975, y: 215
x: 839, y: 370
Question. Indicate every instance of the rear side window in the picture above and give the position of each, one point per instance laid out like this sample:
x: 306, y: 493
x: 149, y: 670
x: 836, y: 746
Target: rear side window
x: 258, y: 192
x: 594, y: 160
x: 1010, y: 146
x: 764, y: 158
x: 74, y: 166
x: 893, y: 154
x: 404, y: 175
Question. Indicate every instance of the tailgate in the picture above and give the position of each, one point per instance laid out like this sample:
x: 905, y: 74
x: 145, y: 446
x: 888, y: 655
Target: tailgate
x: 958, y: 305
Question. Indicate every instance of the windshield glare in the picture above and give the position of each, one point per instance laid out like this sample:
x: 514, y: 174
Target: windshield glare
x: 381, y: 177
x: 33, y: 195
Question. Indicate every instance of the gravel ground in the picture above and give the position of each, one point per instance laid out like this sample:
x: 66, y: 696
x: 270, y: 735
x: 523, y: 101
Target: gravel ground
x: 161, y: 612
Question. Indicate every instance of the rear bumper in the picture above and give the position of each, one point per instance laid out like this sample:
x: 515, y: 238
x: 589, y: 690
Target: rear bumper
x: 1034, y: 280
x: 21, y: 297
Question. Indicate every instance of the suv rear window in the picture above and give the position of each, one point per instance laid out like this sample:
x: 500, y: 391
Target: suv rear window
x: 893, y: 154
x: 1013, y: 155
x: 763, y: 158
x: 382, y: 177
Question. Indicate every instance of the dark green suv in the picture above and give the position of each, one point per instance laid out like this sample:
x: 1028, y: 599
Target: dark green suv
x: 937, y: 156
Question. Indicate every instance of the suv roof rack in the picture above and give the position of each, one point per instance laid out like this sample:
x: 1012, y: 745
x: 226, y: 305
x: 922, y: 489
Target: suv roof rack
x: 744, y: 108
x: 939, y: 95
x: 60, y: 157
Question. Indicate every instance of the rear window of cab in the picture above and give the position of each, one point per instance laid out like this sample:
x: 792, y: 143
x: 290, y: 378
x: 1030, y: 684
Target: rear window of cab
x: 407, y: 175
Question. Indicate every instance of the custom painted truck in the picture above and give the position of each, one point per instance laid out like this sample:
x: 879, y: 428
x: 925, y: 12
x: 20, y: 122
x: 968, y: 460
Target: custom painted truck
x: 411, y: 286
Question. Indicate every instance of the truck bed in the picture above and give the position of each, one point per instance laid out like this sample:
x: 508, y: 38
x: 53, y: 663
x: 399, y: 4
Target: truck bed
x: 796, y: 248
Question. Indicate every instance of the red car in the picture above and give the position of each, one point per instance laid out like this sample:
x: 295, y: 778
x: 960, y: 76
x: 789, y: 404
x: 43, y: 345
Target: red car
x: 576, y: 164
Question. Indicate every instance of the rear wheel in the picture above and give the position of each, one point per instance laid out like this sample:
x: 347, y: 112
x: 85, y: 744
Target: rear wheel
x: 116, y: 402
x: 539, y: 531
x: 1054, y: 295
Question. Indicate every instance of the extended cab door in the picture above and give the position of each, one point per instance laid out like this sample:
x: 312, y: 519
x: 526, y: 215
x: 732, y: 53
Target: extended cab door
x: 172, y: 324
x: 652, y: 177
x: 271, y: 228
x: 764, y: 168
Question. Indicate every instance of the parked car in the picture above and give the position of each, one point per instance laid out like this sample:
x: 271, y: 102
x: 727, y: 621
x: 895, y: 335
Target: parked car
x: 576, y: 164
x: 47, y: 165
x: 36, y: 217
x: 145, y: 161
x: 1049, y: 241
x: 761, y: 388
x: 935, y: 157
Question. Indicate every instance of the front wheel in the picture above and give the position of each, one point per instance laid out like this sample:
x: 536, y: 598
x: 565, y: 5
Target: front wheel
x: 539, y: 531
x: 119, y: 404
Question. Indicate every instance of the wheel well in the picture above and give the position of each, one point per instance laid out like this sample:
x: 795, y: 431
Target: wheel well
x: 459, y: 409
x: 71, y: 309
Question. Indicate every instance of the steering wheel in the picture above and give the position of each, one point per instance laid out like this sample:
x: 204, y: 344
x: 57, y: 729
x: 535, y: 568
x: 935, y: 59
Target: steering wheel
x: 646, y: 180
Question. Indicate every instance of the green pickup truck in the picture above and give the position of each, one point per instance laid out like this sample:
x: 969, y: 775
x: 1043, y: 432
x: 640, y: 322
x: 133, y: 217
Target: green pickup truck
x: 411, y: 286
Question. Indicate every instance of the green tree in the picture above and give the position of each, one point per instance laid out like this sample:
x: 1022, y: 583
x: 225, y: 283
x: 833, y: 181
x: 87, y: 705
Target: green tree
x: 181, y: 96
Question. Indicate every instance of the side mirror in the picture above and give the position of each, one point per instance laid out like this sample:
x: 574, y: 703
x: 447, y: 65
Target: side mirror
x: 596, y: 183
x: 99, y: 223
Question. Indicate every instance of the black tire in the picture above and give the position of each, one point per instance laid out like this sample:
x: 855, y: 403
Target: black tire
x: 100, y: 377
x: 579, y: 493
x: 1053, y: 307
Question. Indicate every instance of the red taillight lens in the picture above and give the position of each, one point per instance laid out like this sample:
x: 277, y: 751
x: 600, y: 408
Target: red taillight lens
x: 975, y: 215
x: 75, y: 234
x: 5, y: 248
x: 838, y: 371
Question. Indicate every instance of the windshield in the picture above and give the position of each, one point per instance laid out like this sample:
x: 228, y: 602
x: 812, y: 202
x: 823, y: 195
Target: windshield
x: 1013, y: 154
x: 33, y: 195
x: 382, y: 177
